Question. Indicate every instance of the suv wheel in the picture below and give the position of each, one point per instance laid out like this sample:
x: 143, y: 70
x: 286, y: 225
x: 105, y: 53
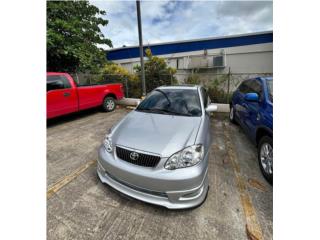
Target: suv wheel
x: 265, y: 155
x: 109, y: 104
x: 231, y: 115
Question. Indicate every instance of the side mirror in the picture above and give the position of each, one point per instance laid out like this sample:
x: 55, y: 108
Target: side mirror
x: 251, y: 97
x: 211, y: 108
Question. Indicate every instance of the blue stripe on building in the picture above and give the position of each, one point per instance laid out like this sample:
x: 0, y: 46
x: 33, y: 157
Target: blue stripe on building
x: 197, y: 45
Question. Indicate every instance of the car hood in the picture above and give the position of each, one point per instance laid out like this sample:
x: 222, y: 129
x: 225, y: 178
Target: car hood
x: 156, y: 133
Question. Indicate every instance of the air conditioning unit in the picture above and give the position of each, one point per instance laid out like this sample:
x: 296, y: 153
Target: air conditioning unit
x: 219, y: 61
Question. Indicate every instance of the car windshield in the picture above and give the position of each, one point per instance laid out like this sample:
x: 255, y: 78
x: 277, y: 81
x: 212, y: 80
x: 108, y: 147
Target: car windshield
x: 183, y: 102
x: 270, y: 89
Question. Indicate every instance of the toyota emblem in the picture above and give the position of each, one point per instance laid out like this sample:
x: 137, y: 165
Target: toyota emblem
x: 134, y: 156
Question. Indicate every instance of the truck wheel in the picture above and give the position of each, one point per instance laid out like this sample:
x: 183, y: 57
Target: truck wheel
x: 231, y: 115
x: 265, y: 157
x: 109, y: 104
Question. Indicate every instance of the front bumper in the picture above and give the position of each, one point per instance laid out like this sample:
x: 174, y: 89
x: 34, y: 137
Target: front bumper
x: 174, y: 189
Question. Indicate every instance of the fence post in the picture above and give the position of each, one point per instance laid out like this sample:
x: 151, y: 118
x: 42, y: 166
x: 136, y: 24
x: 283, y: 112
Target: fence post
x: 77, y: 78
x: 171, y: 78
x: 126, y: 83
x: 228, y: 91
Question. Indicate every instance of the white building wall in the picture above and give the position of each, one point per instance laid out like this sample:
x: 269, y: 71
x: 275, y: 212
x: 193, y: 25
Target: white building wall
x: 257, y: 58
x: 260, y: 62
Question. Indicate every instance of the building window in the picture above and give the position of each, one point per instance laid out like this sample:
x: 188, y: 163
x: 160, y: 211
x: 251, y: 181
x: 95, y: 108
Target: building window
x: 172, y: 63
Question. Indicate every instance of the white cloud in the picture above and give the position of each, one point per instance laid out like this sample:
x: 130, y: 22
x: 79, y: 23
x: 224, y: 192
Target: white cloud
x: 182, y: 20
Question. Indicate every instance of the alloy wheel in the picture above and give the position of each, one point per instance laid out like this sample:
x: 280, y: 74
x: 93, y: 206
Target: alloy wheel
x: 266, y: 158
x: 109, y: 104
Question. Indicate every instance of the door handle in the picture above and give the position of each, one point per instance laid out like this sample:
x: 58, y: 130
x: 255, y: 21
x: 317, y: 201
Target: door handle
x: 66, y: 94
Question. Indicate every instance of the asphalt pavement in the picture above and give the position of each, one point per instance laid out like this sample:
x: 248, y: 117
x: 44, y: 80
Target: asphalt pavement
x: 79, y: 206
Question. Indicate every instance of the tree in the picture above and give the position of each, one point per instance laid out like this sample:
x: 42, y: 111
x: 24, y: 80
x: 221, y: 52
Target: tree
x: 156, y: 71
x: 73, y: 34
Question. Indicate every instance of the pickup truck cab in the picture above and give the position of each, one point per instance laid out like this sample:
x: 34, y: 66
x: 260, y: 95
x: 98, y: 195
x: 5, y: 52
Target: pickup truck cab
x: 252, y: 108
x: 64, y: 96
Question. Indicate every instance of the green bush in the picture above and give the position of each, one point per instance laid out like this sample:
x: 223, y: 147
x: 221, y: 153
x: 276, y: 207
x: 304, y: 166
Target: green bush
x: 116, y: 73
x: 193, y: 79
x: 215, y: 87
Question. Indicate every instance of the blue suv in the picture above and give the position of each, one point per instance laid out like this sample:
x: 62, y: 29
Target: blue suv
x: 251, y: 107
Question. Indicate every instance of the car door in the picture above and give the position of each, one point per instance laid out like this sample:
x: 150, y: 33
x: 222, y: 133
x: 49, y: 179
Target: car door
x: 61, y: 97
x: 251, y: 113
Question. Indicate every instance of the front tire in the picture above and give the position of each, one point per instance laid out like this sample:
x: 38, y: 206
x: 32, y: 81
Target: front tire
x: 265, y: 157
x: 232, y: 115
x: 109, y: 104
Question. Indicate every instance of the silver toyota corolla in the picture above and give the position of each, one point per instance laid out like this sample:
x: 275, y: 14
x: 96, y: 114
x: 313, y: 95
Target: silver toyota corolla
x: 158, y: 153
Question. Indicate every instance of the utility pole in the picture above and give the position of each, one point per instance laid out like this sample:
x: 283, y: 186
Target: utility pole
x: 143, y: 80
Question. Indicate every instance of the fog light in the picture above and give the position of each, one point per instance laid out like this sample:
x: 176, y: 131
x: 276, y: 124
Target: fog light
x: 192, y: 195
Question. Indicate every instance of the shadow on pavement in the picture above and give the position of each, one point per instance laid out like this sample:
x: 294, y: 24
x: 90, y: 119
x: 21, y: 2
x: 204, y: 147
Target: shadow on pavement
x: 71, y: 117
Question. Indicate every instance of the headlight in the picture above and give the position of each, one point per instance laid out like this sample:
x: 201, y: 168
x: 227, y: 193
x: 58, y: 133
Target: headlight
x: 187, y: 157
x: 107, y: 143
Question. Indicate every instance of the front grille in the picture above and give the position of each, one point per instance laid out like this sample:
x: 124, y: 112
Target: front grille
x: 144, y: 160
x: 155, y: 193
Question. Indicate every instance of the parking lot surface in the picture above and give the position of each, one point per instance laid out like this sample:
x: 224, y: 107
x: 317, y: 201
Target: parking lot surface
x: 79, y: 206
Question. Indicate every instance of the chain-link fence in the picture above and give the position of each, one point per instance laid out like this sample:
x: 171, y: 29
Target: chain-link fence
x: 219, y: 86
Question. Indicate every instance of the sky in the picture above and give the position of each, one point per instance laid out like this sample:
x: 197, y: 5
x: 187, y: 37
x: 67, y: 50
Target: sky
x: 166, y: 21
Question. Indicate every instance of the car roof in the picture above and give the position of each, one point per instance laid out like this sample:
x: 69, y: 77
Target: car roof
x: 183, y: 86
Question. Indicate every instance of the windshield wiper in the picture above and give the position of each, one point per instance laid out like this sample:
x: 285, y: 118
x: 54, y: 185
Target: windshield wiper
x: 164, y: 94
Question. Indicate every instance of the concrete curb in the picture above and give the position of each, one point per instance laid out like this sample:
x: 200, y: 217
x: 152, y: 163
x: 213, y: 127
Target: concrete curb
x: 128, y: 101
x: 222, y: 107
x: 133, y: 102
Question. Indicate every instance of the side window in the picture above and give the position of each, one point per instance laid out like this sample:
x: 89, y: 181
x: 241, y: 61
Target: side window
x: 243, y: 88
x: 55, y: 82
x: 204, y: 97
x: 249, y: 86
x: 256, y: 87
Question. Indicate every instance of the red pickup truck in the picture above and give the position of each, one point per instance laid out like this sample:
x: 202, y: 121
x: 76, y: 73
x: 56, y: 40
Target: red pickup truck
x: 65, y: 96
